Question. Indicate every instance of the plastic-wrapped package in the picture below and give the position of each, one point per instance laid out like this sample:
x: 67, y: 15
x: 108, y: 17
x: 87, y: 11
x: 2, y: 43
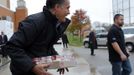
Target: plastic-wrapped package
x: 57, y: 61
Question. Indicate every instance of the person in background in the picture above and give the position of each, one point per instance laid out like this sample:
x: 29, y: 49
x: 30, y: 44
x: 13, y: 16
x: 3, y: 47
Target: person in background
x: 35, y: 38
x: 3, y: 38
x: 3, y: 41
x: 92, y: 42
x: 118, y: 55
x: 65, y: 40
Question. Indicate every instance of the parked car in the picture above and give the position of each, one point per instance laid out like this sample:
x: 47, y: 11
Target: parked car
x: 59, y: 41
x: 100, y: 30
x: 100, y: 37
x: 129, y: 37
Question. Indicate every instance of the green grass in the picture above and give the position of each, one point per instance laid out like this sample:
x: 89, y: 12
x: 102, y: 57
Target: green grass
x: 74, y: 40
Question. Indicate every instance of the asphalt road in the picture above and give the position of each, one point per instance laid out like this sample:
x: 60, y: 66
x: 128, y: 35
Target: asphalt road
x: 100, y: 62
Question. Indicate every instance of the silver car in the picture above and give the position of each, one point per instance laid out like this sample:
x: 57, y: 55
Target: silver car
x: 129, y: 37
x: 100, y: 37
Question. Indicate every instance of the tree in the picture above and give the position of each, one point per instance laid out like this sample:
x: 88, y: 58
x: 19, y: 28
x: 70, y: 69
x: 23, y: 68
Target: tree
x: 79, y: 20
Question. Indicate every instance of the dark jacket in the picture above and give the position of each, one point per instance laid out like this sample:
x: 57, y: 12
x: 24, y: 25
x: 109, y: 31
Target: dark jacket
x: 3, y: 40
x: 116, y: 34
x: 64, y: 39
x: 92, y: 40
x: 35, y: 37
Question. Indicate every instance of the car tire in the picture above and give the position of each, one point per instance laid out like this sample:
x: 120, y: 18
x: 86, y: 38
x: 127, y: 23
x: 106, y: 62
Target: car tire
x: 130, y: 47
x: 86, y: 45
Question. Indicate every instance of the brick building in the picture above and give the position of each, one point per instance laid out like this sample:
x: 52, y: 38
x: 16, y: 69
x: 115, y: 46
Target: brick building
x: 13, y: 16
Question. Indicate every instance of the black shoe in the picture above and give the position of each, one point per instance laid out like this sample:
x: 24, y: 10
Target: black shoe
x: 92, y: 54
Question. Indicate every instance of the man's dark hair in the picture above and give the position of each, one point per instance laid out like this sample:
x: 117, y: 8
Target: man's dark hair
x: 51, y: 3
x: 117, y: 16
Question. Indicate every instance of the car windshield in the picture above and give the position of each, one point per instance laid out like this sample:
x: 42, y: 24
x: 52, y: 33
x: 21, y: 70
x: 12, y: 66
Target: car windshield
x: 101, y: 36
x: 128, y: 31
x: 99, y: 31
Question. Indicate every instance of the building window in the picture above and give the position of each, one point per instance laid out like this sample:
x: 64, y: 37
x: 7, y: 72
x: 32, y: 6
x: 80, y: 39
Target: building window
x: 132, y: 20
x: 132, y: 12
x: 126, y: 20
x: 8, y: 18
x: 126, y: 4
x: 120, y: 6
x: 115, y: 5
x: 119, y: 1
x: 126, y: 13
x: 131, y: 3
x: 3, y: 17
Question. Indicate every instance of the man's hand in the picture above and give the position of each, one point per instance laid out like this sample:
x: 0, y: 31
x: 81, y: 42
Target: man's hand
x: 128, y: 51
x: 40, y: 69
x: 119, y: 51
x: 62, y: 70
x: 123, y: 57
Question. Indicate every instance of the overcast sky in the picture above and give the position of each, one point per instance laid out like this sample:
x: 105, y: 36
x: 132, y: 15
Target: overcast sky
x: 97, y: 10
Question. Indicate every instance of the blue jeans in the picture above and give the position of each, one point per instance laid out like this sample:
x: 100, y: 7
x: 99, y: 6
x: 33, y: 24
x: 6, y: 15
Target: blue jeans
x: 121, y: 68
